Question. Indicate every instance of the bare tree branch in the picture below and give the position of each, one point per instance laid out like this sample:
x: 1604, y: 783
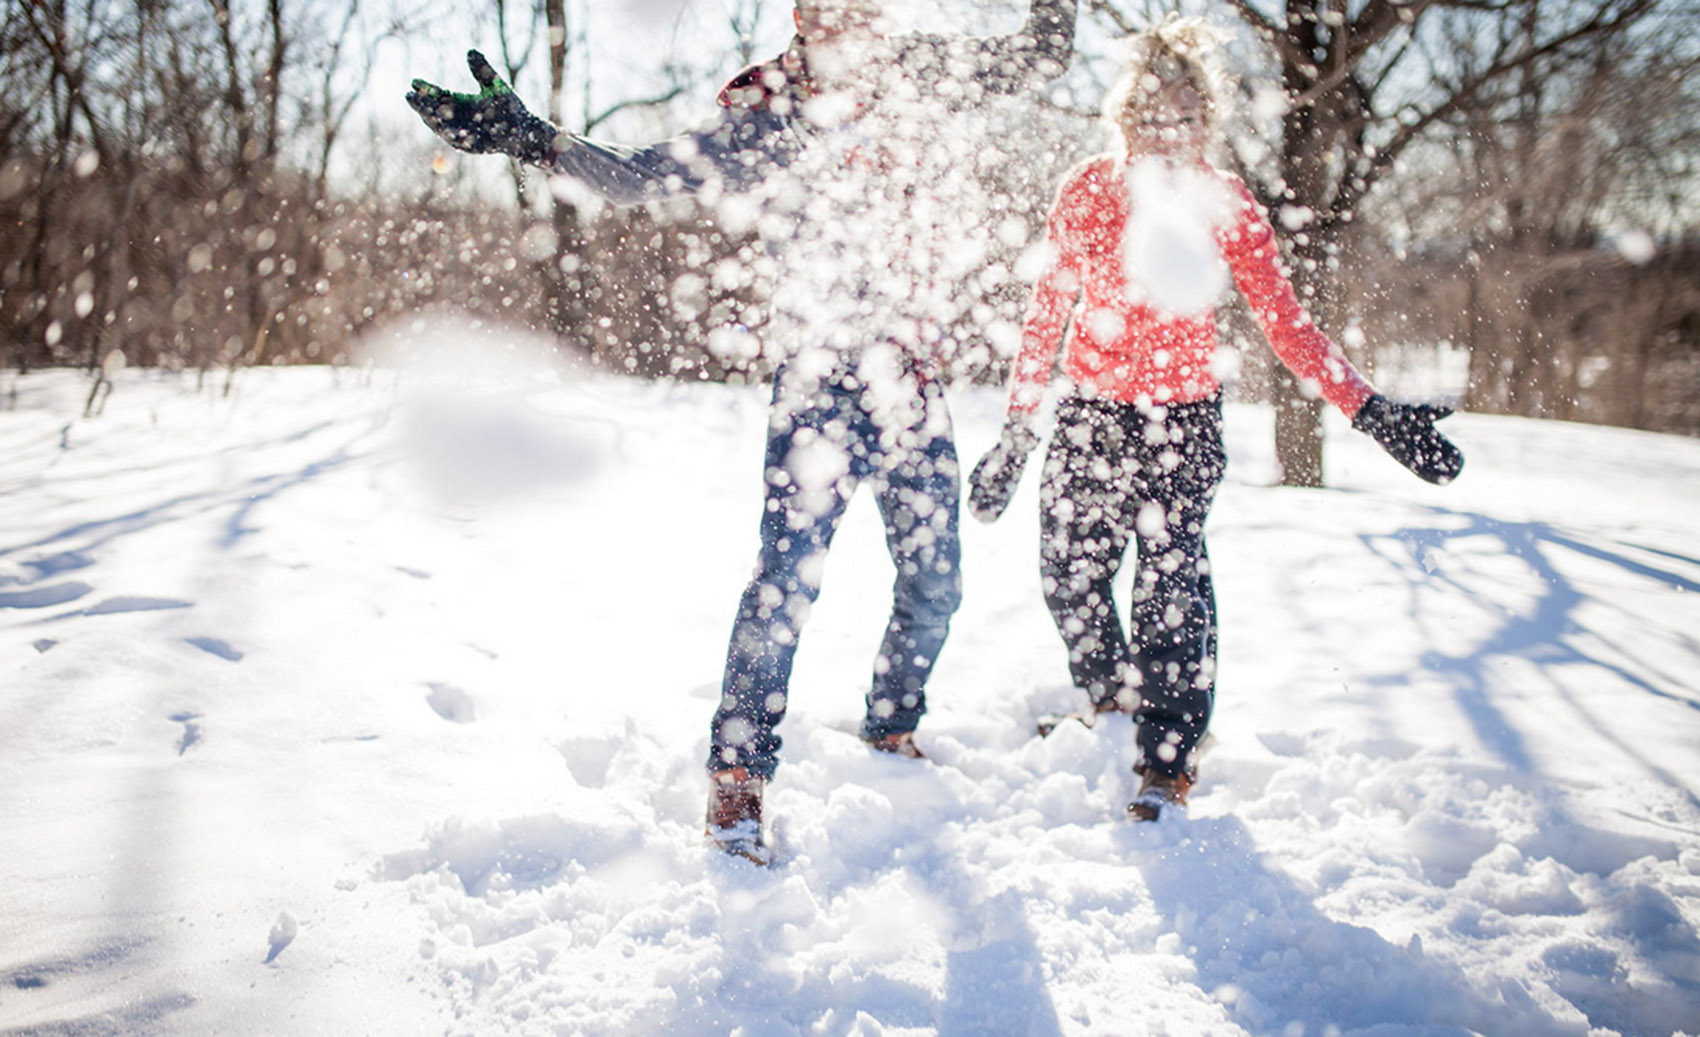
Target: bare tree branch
x: 591, y: 123
x: 1378, y: 20
x: 1603, y: 21
x: 1115, y: 16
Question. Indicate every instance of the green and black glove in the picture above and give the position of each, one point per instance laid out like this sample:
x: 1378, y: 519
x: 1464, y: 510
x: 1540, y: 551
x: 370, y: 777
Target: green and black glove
x: 1407, y: 431
x: 994, y: 479
x: 493, y: 119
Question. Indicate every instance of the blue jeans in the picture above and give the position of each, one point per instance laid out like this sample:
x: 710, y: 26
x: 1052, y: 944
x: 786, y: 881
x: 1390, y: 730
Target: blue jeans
x: 825, y: 437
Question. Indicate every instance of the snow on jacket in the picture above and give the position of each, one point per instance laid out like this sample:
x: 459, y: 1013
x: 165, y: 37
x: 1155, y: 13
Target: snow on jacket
x: 859, y: 197
x: 1140, y: 251
x: 765, y: 122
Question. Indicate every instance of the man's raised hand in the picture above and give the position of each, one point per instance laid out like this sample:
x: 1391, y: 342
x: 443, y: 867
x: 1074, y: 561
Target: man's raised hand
x: 492, y: 120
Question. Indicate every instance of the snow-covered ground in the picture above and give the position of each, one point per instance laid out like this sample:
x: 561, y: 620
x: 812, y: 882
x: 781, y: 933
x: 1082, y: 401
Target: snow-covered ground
x: 362, y: 704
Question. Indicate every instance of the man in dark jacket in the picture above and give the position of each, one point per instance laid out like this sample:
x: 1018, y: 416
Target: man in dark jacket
x: 834, y: 152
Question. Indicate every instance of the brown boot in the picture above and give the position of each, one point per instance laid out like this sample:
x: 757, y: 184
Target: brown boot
x: 734, y: 815
x: 1157, y: 791
x: 1123, y: 700
x: 899, y: 743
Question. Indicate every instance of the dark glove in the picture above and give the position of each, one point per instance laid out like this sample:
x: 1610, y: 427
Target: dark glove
x: 493, y: 119
x: 993, y: 481
x: 1407, y: 431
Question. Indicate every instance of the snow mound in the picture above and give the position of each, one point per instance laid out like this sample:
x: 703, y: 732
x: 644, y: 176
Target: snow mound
x: 453, y: 731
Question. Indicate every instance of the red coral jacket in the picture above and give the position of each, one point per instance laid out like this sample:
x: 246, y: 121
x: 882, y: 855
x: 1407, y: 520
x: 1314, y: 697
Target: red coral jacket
x: 1126, y: 345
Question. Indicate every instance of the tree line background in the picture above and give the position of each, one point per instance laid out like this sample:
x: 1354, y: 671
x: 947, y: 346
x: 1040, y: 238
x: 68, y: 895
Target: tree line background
x: 1492, y: 200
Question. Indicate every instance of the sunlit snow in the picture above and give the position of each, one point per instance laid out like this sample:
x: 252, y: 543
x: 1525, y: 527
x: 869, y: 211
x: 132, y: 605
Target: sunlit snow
x: 311, y: 725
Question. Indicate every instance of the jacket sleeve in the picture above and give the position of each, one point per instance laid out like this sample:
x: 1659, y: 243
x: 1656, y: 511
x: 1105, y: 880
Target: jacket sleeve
x: 1250, y: 249
x: 1038, y: 53
x: 1050, y: 305
x: 735, y: 155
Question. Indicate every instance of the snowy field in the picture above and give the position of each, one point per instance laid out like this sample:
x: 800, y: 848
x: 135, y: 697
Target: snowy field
x: 355, y: 704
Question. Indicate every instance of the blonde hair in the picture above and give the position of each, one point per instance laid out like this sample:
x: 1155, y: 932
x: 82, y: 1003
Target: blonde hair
x: 1174, y: 49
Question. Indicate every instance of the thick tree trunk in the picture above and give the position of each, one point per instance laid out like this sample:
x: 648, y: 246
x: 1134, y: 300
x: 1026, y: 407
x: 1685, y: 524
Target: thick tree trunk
x: 1298, y: 433
x: 1312, y: 135
x: 1298, y: 416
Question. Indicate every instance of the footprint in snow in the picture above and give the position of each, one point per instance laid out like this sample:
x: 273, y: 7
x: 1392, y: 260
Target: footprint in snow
x: 133, y: 603
x: 1282, y: 743
x: 450, y: 703
x: 65, y: 561
x: 281, y: 936
x: 40, y: 974
x: 44, y: 597
x: 191, y: 730
x: 216, y: 646
x: 589, y: 758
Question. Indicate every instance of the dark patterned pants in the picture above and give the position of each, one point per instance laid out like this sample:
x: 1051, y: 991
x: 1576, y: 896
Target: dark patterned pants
x: 1120, y: 475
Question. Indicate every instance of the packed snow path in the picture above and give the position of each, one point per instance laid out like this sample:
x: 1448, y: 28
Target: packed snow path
x: 359, y: 704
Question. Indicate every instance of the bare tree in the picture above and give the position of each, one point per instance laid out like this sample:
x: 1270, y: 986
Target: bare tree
x: 742, y: 18
x: 182, y: 182
x: 1548, y: 217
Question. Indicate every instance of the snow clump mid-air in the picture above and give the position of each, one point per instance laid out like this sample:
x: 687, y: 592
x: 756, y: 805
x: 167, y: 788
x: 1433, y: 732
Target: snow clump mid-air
x: 1172, y: 258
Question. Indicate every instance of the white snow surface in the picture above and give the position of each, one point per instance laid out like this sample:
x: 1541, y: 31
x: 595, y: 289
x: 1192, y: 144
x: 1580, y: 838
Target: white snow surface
x: 369, y: 702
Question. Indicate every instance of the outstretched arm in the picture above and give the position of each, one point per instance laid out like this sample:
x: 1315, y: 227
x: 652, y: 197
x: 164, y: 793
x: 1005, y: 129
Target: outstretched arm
x: 1056, y: 294
x: 736, y: 153
x: 1406, y: 431
x: 1050, y: 307
x: 1048, y: 311
x: 992, y: 482
x: 1248, y: 244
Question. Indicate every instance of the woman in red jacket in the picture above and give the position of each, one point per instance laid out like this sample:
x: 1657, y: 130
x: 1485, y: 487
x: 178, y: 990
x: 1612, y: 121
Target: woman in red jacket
x: 1145, y: 240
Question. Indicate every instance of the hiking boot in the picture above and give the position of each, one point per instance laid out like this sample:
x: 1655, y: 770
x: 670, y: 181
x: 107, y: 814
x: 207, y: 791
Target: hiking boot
x: 1157, y: 791
x: 734, y: 815
x: 1120, y: 703
x: 898, y: 743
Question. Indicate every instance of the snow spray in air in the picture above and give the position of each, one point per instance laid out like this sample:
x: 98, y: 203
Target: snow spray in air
x: 1172, y: 259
